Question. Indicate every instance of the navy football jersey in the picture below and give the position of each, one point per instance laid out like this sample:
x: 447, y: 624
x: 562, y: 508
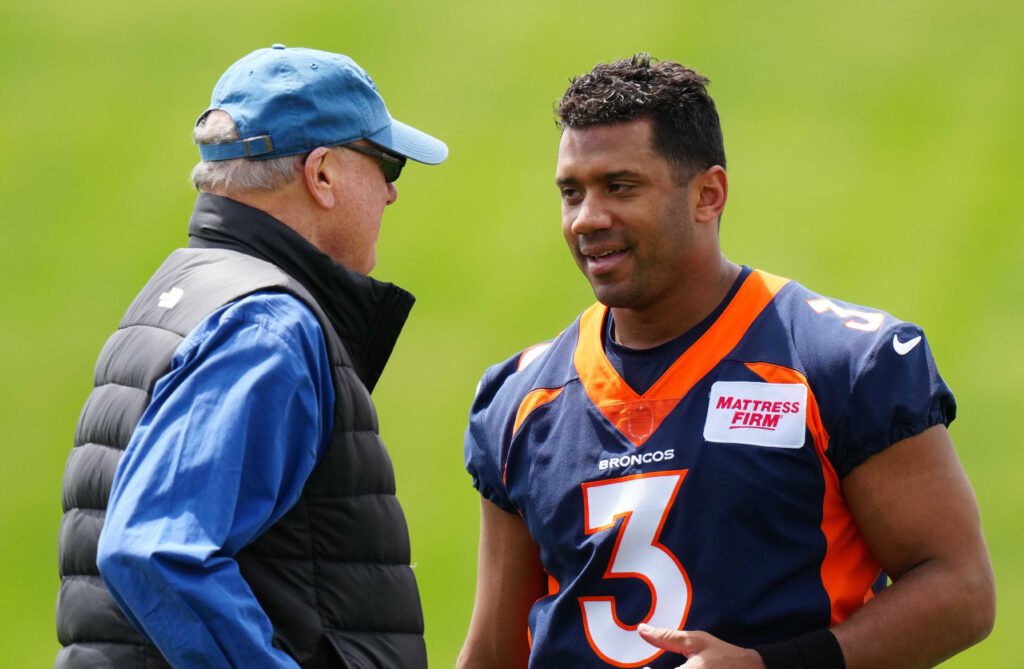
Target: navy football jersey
x: 712, y: 500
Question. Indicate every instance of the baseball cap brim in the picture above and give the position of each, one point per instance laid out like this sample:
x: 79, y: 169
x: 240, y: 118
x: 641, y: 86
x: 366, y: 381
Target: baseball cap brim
x: 407, y: 141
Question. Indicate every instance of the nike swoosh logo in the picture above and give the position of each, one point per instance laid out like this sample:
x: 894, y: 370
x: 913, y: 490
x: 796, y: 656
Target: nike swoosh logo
x: 905, y: 347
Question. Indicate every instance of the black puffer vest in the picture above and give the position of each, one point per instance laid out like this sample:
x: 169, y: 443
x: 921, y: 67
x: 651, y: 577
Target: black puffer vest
x: 333, y: 573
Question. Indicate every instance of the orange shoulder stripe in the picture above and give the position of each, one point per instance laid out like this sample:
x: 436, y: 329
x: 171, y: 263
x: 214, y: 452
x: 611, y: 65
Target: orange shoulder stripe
x: 534, y: 399
x: 848, y: 569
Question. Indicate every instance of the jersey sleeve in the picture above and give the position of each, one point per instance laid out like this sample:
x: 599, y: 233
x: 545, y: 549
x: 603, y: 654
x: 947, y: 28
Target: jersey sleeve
x: 897, y: 393
x: 489, y: 432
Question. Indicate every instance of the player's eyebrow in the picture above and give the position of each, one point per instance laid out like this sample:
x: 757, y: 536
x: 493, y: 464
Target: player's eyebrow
x: 611, y: 176
x: 607, y: 176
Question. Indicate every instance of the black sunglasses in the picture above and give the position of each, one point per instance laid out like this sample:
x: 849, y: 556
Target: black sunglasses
x: 390, y: 164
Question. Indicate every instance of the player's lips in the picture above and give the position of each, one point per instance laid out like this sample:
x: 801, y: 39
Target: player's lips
x: 601, y: 260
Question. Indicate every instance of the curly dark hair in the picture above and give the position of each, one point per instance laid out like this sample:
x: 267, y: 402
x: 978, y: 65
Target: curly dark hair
x: 687, y: 132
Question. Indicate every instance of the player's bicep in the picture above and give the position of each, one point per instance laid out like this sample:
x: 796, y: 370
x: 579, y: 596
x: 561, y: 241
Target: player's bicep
x: 510, y: 579
x: 913, y: 504
x: 917, y: 512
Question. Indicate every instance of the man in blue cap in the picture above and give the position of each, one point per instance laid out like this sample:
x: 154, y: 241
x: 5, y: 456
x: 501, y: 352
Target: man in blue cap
x: 251, y: 518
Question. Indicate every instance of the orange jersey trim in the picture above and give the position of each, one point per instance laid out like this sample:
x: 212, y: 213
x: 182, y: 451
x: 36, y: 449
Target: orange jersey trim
x: 849, y: 569
x: 553, y: 586
x: 535, y: 398
x: 638, y: 416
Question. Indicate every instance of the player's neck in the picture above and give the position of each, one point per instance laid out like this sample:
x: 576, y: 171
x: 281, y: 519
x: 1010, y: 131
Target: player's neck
x: 657, y: 323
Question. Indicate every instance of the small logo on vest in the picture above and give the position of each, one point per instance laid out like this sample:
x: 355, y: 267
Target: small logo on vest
x: 171, y: 298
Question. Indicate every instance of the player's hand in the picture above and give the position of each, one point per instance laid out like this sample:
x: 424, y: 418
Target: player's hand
x: 702, y: 650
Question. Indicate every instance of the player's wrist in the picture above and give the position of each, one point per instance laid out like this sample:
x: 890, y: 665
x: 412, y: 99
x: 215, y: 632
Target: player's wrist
x: 815, y: 650
x: 754, y: 660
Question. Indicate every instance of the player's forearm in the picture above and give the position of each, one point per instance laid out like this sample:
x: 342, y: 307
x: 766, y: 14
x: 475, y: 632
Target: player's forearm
x: 510, y: 579
x: 931, y: 612
x: 497, y: 637
x: 475, y: 656
x: 494, y: 641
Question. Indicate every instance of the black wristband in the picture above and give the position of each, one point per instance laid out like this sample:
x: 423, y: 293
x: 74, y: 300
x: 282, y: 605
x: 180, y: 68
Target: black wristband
x: 814, y: 650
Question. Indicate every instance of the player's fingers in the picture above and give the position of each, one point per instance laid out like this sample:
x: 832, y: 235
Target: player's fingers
x: 658, y: 636
x: 685, y: 643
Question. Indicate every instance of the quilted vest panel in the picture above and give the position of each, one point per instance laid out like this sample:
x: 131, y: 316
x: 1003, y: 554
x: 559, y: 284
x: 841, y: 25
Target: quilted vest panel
x: 332, y: 574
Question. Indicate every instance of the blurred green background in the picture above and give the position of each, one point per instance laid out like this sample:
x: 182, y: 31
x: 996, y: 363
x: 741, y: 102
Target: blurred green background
x: 874, y: 155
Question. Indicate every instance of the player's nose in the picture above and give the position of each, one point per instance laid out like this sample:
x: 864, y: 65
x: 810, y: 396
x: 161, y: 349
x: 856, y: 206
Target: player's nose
x: 590, y: 216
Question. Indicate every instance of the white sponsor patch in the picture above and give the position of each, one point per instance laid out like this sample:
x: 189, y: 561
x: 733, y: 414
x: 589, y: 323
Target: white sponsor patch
x: 760, y: 414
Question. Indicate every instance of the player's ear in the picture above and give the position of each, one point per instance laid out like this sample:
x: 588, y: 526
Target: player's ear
x: 318, y: 174
x: 709, y: 190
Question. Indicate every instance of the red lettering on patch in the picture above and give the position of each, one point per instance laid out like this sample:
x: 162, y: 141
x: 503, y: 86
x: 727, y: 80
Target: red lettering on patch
x: 755, y: 420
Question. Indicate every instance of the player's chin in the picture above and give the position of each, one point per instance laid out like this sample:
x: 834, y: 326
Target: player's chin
x: 614, y: 294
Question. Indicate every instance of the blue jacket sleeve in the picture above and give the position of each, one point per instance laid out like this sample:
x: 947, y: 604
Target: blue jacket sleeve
x: 223, y: 451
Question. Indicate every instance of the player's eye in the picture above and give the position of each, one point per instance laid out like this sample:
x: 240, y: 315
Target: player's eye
x: 570, y: 194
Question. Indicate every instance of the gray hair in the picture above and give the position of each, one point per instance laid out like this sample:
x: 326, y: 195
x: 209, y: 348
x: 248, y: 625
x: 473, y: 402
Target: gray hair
x: 238, y: 174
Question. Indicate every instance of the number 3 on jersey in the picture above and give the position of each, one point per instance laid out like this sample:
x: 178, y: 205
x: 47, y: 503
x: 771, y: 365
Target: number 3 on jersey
x: 644, y: 501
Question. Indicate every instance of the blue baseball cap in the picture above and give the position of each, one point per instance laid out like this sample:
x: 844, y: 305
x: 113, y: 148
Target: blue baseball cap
x: 285, y: 101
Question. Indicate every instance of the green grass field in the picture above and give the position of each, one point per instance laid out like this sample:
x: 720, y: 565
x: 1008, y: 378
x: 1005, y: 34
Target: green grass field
x: 874, y: 155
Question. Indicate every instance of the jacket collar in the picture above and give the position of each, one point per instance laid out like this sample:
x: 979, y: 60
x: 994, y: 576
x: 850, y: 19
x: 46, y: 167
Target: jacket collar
x: 367, y: 314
